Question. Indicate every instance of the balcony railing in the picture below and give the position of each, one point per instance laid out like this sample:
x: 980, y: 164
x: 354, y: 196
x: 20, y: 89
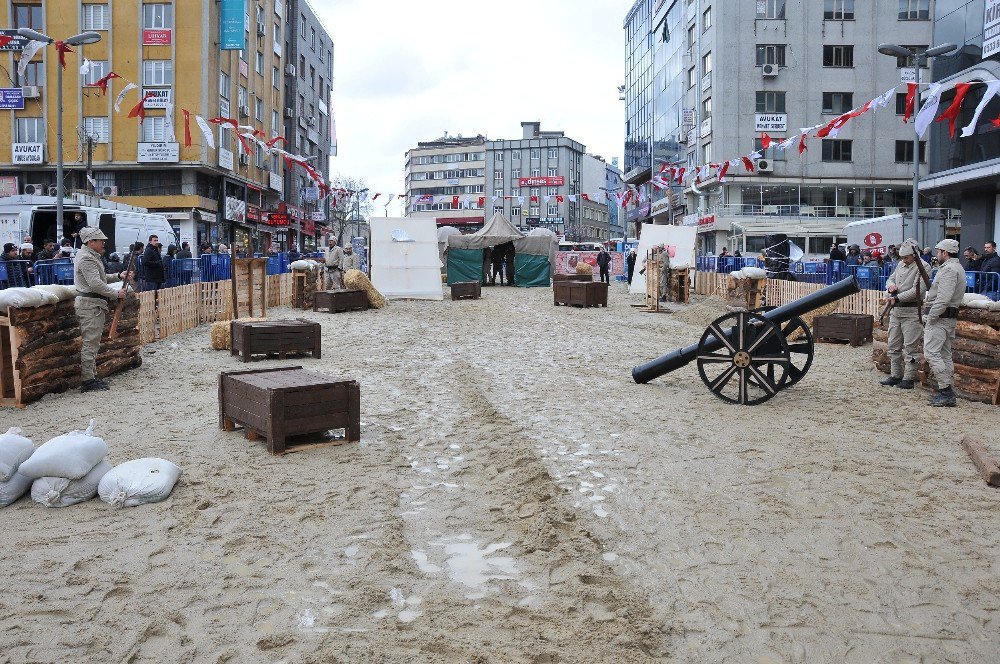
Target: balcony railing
x: 829, y: 211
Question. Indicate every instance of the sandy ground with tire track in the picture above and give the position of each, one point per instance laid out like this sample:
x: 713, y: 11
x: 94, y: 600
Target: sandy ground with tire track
x: 516, y: 498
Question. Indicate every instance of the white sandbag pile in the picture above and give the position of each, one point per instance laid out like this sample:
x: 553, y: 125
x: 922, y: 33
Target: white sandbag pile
x: 62, y: 492
x: 67, y: 469
x: 139, y: 482
x: 303, y: 265
x: 15, y: 449
x: 61, y: 293
x: 749, y: 273
x: 22, y: 297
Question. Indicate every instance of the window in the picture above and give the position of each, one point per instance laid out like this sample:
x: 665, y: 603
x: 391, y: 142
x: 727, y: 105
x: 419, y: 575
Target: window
x: 770, y: 102
x: 157, y: 73
x: 28, y: 16
x: 515, y: 174
x: 900, y: 103
x: 552, y: 172
x: 907, y: 61
x: 258, y: 65
x: 302, y: 25
x: 498, y: 209
x: 553, y: 210
x: 771, y: 54
x: 277, y: 31
x: 158, y: 16
x: 243, y: 100
x: 515, y: 212
x: 837, y: 103
x: 312, y: 38
x: 692, y: 77
x: 838, y: 10
x: 914, y: 10
x: 536, y: 172
x: 706, y: 63
x: 706, y: 19
x: 275, y: 124
x: 498, y: 193
x: 498, y: 157
x: 706, y: 108
x: 770, y: 8
x: 536, y: 155
x: 771, y: 153
x: 30, y: 130
x: 838, y: 56
x: 34, y: 74
x: 95, y: 17
x: 515, y: 155
x: 98, y: 129
x: 706, y: 153
x: 276, y: 77
x: 302, y: 66
x: 258, y: 108
x: 535, y: 191
x: 98, y: 68
x: 553, y: 153
x: 692, y: 35
x: 154, y: 129
x: 904, y: 152
x: 498, y: 176
x: 534, y: 211
x: 553, y: 191
x: 836, y: 150
x: 322, y: 57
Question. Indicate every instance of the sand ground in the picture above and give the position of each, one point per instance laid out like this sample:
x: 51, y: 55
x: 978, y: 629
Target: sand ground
x: 517, y: 498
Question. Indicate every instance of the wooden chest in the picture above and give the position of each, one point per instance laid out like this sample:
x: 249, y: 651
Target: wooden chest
x: 274, y: 337
x: 580, y: 294
x: 466, y: 290
x: 572, y: 277
x: 338, y: 301
x: 856, y: 329
x: 276, y: 404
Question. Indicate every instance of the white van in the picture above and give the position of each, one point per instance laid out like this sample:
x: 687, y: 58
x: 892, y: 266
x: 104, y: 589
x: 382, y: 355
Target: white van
x: 36, y: 216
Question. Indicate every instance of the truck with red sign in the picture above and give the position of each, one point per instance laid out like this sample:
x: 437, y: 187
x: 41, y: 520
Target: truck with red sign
x: 879, y: 233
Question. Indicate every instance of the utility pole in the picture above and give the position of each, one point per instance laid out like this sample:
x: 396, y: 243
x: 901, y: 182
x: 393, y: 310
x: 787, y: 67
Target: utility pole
x: 90, y: 167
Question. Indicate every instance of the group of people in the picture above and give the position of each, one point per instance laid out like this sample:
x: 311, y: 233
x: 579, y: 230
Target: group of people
x: 337, y: 261
x: 22, y: 259
x: 908, y: 300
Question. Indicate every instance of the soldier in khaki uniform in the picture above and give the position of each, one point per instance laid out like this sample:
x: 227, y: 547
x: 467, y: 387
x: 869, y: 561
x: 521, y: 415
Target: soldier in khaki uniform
x: 905, y: 331
x: 943, y: 301
x: 351, y: 260
x: 664, y: 265
x: 333, y: 258
x: 94, y: 294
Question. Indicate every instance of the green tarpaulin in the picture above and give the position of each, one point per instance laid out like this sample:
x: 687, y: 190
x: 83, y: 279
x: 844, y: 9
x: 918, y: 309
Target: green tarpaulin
x: 465, y: 265
x: 531, y: 271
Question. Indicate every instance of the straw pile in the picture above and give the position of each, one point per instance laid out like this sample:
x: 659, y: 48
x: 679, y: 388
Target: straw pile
x: 584, y: 268
x: 358, y: 280
x: 220, y: 332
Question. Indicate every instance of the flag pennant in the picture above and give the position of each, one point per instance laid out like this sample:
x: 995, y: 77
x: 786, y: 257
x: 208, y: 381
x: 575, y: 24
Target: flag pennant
x: 121, y: 96
x: 765, y: 141
x: 725, y: 167
x: 482, y: 201
x: 139, y: 110
x: 929, y: 109
x: 274, y: 141
x: 951, y: 113
x: 86, y: 67
x: 911, y: 96
x: 802, y: 142
x: 27, y: 54
x: 454, y: 202
x: 560, y: 198
x: 748, y: 164
x: 5, y: 39
x: 63, y: 48
x: 102, y: 83
x: 992, y: 88
x: 187, y: 127
x: 206, y: 131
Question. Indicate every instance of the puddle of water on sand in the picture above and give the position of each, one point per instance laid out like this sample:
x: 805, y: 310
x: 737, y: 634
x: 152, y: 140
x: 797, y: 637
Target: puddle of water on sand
x: 473, y: 564
x: 352, y: 550
x: 406, y: 608
x: 426, y: 567
x: 610, y: 557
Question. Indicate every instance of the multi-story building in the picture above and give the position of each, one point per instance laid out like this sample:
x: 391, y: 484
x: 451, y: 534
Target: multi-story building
x: 716, y: 91
x: 307, y: 116
x: 612, y: 186
x: 594, y: 207
x: 965, y: 173
x: 530, y: 180
x: 445, y: 179
x: 209, y: 58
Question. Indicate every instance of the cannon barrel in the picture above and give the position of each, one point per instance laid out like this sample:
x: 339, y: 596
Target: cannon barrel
x: 679, y: 358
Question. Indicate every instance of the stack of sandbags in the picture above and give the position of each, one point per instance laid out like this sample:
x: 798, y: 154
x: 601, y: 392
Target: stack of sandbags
x: 15, y: 449
x: 67, y: 469
x: 975, y: 351
x: 307, y: 278
x: 220, y: 332
x: 138, y: 482
x: 745, y: 287
x: 358, y: 280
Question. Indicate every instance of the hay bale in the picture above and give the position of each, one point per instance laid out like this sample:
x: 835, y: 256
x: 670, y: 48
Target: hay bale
x: 220, y: 332
x: 358, y: 280
x: 584, y: 268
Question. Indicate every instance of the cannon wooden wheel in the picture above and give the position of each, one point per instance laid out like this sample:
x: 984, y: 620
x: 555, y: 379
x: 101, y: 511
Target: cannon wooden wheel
x: 744, y: 358
x: 801, y: 348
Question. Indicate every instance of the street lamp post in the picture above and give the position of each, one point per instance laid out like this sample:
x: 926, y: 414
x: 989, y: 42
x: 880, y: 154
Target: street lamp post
x: 918, y: 57
x: 75, y: 40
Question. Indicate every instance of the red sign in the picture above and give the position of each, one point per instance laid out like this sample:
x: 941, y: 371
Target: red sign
x: 253, y: 213
x: 705, y: 221
x: 308, y: 227
x: 156, y: 37
x: 542, y: 182
x: 873, y: 239
x: 277, y: 219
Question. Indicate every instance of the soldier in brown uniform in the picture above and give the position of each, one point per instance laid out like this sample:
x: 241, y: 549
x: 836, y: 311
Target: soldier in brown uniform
x: 905, y: 331
x: 943, y: 301
x: 93, y: 296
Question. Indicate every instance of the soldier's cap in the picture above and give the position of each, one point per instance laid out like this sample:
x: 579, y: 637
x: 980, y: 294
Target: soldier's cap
x: 88, y: 233
x: 908, y: 248
x: 951, y: 246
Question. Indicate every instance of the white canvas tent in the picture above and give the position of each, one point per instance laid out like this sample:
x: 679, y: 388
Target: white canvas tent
x: 405, y: 263
x: 682, y: 238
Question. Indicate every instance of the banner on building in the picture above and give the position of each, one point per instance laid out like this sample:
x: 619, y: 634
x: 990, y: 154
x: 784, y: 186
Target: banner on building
x: 231, y: 25
x: 27, y: 153
x: 11, y: 99
x: 991, y: 28
x: 8, y: 186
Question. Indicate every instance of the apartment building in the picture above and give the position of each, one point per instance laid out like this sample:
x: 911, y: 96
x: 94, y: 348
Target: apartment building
x: 445, y: 178
x: 726, y: 72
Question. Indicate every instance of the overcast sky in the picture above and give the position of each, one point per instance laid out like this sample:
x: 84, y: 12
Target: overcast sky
x: 409, y: 71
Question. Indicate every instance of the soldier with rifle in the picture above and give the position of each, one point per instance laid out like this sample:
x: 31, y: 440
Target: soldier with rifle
x: 943, y: 301
x: 903, y: 304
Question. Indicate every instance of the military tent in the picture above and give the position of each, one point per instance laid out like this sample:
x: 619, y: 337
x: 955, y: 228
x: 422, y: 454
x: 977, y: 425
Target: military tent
x: 534, y: 257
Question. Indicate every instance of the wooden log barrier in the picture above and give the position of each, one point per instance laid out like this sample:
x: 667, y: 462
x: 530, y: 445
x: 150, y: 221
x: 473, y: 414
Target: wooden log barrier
x: 986, y: 464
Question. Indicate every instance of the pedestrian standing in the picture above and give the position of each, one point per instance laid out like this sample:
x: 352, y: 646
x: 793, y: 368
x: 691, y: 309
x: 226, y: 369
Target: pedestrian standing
x: 152, y: 265
x: 92, y: 302
x: 905, y: 332
x: 185, y: 251
x: 333, y: 258
x: 603, y: 263
x: 351, y: 260
x: 943, y: 300
x: 630, y: 264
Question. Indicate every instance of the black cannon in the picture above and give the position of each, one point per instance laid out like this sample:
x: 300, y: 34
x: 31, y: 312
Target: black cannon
x: 748, y: 357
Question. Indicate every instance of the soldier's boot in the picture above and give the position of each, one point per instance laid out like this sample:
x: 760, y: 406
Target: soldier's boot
x: 905, y: 384
x: 890, y: 381
x: 945, y: 397
x: 92, y: 385
x: 103, y: 383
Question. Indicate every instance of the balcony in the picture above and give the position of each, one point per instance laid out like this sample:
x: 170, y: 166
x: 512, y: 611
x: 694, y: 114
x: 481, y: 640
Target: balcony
x: 827, y: 213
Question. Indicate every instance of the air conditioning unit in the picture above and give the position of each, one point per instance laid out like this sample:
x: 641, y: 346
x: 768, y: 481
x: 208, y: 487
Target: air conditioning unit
x: 35, y: 189
x: 109, y: 191
x: 682, y: 138
x: 311, y: 122
x: 31, y: 92
x: 244, y: 159
x: 260, y: 29
x: 244, y: 111
x: 53, y: 190
x: 290, y: 70
x: 764, y: 166
x: 769, y: 71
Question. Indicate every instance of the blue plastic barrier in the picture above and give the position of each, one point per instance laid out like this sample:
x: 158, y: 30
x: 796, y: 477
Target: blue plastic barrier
x: 15, y: 274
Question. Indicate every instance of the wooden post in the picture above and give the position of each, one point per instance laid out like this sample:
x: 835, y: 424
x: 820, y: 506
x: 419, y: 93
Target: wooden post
x: 986, y: 464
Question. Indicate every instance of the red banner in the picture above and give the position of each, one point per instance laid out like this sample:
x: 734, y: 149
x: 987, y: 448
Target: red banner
x: 277, y: 219
x: 542, y: 182
x: 157, y: 37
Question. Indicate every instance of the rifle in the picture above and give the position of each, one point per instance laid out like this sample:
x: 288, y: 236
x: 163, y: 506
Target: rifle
x: 927, y: 283
x: 113, y: 331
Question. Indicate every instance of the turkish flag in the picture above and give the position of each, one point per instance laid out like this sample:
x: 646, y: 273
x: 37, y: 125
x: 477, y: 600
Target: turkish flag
x: 139, y: 110
x: 961, y: 89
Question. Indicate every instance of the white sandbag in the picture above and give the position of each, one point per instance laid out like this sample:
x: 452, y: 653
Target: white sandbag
x: 70, y: 456
x: 303, y: 265
x: 49, y: 296
x: 61, y: 293
x: 680, y: 266
x: 139, y: 482
x: 969, y: 298
x: 61, y: 492
x: 20, y: 297
x: 14, y: 450
x: 979, y: 304
x: 737, y: 274
x: 995, y: 306
x: 755, y: 272
x: 14, y: 488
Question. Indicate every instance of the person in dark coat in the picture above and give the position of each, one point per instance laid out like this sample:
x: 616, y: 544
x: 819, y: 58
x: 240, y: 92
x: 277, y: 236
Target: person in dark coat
x: 184, y: 253
x: 604, y: 262
x: 152, y: 265
x: 991, y: 271
x: 837, y: 254
x: 630, y: 264
x: 168, y: 271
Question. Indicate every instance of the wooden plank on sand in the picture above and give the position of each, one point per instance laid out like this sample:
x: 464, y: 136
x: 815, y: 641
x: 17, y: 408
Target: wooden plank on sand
x: 986, y: 464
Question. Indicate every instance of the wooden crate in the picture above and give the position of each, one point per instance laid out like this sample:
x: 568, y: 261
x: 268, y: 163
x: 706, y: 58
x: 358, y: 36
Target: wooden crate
x: 339, y: 301
x: 580, y: 294
x: 856, y: 329
x: 275, y: 404
x: 274, y: 337
x: 572, y: 277
x: 466, y: 290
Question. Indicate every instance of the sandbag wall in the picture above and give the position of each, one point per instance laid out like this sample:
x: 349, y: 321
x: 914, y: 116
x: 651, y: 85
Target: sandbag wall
x: 976, y: 352
x: 41, y: 350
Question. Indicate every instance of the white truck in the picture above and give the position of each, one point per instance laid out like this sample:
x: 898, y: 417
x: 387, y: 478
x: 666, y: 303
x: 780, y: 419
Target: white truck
x: 879, y: 233
x: 21, y: 216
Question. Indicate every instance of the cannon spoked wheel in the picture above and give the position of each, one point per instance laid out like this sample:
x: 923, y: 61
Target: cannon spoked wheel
x: 801, y: 347
x: 751, y: 367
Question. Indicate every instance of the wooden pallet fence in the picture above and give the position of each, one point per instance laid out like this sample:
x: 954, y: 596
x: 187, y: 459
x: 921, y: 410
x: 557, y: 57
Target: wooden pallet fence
x: 147, y: 317
x: 179, y: 309
x: 216, y: 301
x: 709, y: 283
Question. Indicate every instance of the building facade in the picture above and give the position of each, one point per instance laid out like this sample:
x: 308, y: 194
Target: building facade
x: 171, y: 52
x: 965, y: 173
x: 727, y: 72
x: 451, y: 167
